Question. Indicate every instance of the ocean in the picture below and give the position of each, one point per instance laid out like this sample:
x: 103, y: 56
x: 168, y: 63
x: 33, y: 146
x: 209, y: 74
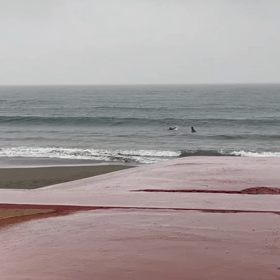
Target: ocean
x: 129, y: 124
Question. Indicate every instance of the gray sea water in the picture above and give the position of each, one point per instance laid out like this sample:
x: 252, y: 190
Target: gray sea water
x: 130, y: 123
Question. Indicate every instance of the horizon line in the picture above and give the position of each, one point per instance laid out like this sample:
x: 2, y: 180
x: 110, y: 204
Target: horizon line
x: 148, y: 84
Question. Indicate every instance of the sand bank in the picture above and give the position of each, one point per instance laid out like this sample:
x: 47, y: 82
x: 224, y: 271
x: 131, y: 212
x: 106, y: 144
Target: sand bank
x: 11, y: 215
x: 31, y: 178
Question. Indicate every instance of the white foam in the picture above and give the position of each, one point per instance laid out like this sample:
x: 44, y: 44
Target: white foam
x: 132, y: 156
x: 137, y: 156
x: 255, y: 154
x: 150, y: 153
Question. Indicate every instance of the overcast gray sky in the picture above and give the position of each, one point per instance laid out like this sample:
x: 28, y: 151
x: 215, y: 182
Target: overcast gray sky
x: 139, y: 41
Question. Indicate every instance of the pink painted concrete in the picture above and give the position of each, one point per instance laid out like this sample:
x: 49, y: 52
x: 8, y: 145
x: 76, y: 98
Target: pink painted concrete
x: 207, y: 173
x: 135, y: 244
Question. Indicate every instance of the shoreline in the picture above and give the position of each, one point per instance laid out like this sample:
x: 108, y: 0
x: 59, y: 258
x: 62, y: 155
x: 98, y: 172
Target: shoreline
x: 34, y: 162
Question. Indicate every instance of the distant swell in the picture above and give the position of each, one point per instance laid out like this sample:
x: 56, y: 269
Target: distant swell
x: 40, y: 120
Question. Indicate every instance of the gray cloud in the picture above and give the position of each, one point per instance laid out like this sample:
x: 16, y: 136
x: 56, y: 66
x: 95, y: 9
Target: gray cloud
x: 131, y: 41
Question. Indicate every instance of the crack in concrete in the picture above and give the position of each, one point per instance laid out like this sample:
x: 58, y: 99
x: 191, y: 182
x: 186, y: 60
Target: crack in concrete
x: 256, y: 190
x: 68, y: 209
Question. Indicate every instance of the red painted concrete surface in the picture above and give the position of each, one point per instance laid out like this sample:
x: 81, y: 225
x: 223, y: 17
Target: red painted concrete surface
x: 236, y: 237
x: 143, y: 244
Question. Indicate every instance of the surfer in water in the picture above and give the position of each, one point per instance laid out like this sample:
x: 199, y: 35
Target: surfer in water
x: 193, y: 130
x: 173, y: 128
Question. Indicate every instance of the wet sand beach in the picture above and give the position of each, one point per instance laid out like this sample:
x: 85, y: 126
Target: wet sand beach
x: 37, y: 177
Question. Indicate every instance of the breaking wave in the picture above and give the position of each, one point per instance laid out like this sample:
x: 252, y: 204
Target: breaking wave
x: 241, y: 153
x: 124, y: 156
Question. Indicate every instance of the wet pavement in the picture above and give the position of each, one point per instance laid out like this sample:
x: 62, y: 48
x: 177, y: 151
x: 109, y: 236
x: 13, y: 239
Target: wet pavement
x: 135, y: 234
